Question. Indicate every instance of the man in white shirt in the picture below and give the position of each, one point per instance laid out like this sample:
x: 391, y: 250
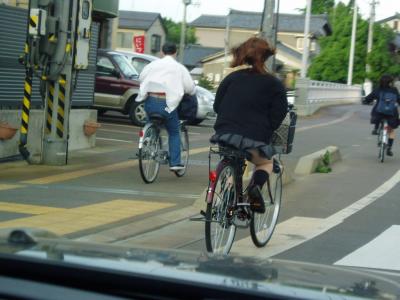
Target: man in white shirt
x: 163, y: 82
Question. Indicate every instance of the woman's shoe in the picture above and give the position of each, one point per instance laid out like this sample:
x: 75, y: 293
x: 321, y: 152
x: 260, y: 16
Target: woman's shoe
x: 389, y: 152
x: 256, y: 199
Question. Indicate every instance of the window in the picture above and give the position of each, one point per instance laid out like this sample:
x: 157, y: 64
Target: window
x: 125, y: 40
x: 300, y: 42
x: 155, y: 43
x: 139, y: 64
x: 396, y: 25
x: 105, y: 67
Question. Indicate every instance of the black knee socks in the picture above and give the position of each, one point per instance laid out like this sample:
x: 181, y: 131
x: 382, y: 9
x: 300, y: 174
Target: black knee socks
x: 390, y: 143
x: 260, y: 177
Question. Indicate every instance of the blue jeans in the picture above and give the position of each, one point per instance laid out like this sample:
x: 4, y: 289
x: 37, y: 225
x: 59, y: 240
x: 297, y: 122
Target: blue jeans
x: 156, y: 105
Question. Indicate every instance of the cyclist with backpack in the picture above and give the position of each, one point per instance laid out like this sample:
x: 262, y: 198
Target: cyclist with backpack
x: 387, y: 100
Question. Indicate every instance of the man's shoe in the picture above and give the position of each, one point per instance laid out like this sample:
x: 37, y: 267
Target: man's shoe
x: 176, y: 168
x: 256, y: 199
x: 374, y: 132
x: 389, y: 152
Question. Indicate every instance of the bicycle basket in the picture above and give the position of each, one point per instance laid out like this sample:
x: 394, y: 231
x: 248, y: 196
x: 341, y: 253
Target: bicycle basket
x: 282, y: 138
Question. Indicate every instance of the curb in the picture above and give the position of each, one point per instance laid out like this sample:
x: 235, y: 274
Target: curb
x: 308, y: 163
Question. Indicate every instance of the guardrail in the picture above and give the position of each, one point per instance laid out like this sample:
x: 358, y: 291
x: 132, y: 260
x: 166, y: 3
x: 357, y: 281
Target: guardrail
x: 312, y: 95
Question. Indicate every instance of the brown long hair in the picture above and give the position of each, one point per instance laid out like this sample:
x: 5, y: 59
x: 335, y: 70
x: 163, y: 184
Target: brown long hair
x: 254, y: 52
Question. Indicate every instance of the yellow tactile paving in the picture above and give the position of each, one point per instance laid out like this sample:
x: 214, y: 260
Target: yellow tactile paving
x: 86, y: 172
x: 86, y: 217
x: 28, y: 209
x: 4, y: 187
x: 80, y: 173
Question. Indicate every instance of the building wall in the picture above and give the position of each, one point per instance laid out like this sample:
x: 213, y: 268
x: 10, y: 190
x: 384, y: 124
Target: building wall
x: 211, y: 37
x: 394, y: 24
x: 155, y: 29
x: 128, y: 36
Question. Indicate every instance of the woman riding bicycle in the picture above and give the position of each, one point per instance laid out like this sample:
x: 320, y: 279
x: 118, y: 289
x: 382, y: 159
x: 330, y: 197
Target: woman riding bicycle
x: 388, y: 99
x: 251, y: 104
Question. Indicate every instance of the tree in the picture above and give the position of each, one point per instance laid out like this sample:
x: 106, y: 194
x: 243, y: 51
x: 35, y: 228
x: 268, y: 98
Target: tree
x: 174, y: 32
x: 320, y: 7
x: 383, y: 59
x: 332, y: 62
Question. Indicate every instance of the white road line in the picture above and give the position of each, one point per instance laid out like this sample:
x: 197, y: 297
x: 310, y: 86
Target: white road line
x: 114, y: 140
x: 298, y: 230
x: 380, y: 253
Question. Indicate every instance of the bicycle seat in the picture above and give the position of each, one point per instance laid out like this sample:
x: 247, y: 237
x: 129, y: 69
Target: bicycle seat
x: 157, y: 118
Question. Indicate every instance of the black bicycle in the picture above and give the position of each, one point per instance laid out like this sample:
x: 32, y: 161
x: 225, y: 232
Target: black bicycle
x: 383, y: 138
x: 227, y: 204
x: 151, y: 152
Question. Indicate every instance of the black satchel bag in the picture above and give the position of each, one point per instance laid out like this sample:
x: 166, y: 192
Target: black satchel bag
x: 187, y: 109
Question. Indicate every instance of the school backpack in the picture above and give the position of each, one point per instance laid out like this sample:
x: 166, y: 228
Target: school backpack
x: 387, y: 103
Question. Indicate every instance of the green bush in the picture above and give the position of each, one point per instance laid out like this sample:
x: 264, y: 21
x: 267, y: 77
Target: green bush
x: 324, y: 166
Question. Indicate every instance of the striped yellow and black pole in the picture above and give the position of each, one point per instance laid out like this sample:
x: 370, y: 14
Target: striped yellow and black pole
x: 26, y: 107
x: 50, y: 107
x: 61, y: 106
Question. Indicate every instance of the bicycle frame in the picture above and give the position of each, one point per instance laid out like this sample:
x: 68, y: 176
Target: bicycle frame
x: 227, y: 156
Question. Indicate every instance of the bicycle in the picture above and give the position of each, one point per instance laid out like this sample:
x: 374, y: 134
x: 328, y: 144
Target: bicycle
x: 151, y: 153
x: 226, y: 205
x: 383, y: 137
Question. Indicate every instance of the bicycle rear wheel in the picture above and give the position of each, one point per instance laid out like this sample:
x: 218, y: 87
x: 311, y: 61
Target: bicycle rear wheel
x: 382, y: 145
x: 262, y: 225
x: 149, y: 164
x: 184, y: 151
x: 220, y: 230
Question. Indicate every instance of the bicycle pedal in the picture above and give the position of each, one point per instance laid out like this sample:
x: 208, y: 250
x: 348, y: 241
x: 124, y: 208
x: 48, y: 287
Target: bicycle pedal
x: 203, y: 213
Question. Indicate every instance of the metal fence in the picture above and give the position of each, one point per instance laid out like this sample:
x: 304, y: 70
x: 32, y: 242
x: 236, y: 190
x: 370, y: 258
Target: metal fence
x: 12, y: 40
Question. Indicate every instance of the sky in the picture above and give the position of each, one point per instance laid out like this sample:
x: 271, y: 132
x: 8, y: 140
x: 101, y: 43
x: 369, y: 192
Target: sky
x: 174, y: 8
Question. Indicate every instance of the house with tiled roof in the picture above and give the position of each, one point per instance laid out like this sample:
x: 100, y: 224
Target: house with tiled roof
x: 393, y: 22
x: 210, y: 31
x: 136, y: 23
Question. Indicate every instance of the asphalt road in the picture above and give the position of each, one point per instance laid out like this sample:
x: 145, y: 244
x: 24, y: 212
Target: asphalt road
x: 348, y: 217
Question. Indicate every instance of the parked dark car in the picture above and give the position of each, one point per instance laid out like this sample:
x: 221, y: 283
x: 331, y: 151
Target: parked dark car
x: 117, y: 86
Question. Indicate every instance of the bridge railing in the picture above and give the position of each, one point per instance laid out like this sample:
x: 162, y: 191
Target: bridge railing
x: 311, y: 95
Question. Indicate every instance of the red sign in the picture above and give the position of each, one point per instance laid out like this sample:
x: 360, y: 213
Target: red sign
x: 138, y: 43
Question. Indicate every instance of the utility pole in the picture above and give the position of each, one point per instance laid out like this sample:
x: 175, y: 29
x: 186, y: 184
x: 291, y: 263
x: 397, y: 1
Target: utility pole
x: 267, y: 27
x: 367, y: 83
x: 306, y: 41
x: 183, y: 30
x: 226, y: 39
x: 353, y: 45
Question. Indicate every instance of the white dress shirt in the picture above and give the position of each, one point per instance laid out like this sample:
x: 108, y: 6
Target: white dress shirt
x: 167, y: 76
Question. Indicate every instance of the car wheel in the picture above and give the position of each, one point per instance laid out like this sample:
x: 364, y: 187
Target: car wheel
x: 137, y: 114
x: 195, y: 121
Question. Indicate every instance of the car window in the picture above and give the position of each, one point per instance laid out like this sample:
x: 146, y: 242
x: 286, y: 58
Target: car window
x: 139, y: 63
x: 125, y: 67
x: 105, y: 67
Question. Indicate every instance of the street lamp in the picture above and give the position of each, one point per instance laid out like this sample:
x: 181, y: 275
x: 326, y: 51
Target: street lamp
x: 183, y: 30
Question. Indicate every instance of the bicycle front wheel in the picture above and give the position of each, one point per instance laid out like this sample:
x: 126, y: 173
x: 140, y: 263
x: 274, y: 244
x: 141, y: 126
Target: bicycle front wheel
x: 262, y: 225
x: 220, y: 230
x: 149, y: 164
x: 184, y: 151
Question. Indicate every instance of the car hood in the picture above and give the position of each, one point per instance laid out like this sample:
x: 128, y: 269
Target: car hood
x: 284, y: 278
